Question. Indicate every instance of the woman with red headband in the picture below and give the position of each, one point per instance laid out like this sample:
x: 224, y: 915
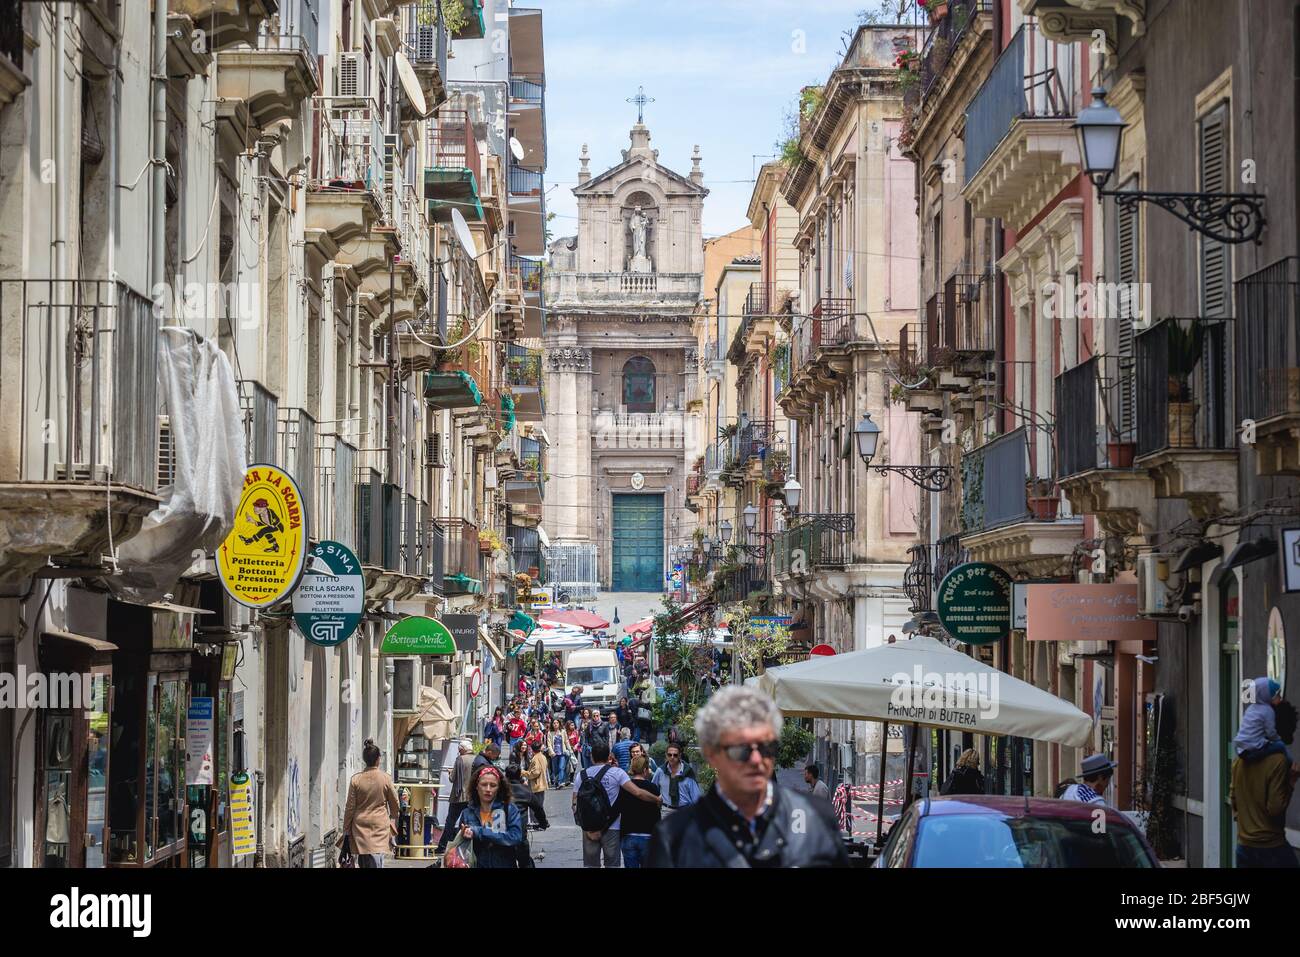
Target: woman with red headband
x: 492, y: 821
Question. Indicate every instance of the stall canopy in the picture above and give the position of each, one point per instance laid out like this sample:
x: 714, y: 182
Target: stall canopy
x: 434, y: 717
x: 642, y: 627
x: 578, y: 617
x: 956, y: 692
x: 559, y: 641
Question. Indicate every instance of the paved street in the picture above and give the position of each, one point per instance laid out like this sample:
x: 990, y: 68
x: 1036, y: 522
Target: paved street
x: 631, y: 606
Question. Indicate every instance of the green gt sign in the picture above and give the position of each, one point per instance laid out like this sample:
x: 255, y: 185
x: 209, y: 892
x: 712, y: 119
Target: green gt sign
x: 974, y: 603
x: 418, y: 635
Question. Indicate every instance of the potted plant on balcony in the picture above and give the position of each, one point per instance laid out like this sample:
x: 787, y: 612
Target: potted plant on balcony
x: 937, y: 9
x: 908, y: 64
x: 1185, y: 344
x: 1042, y: 499
x: 777, y: 460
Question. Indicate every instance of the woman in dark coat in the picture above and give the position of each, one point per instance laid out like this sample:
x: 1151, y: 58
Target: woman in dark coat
x: 966, y: 777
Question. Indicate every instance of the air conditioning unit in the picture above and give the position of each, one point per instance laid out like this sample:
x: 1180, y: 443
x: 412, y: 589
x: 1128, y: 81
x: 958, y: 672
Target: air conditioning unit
x: 353, y: 78
x: 166, y: 452
x: 1158, y: 586
x: 426, y: 43
x: 433, y: 454
x: 490, y: 477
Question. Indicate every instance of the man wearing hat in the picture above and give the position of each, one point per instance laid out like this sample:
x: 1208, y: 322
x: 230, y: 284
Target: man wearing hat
x: 1095, y: 770
x: 458, y: 796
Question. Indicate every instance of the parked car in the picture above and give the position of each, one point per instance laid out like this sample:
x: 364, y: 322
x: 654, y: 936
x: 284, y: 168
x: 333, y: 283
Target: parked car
x: 1003, y: 831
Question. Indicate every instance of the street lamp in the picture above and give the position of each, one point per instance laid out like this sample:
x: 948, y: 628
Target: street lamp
x: 792, y: 491
x: 751, y: 516
x: 726, y: 531
x: 932, y: 478
x: 1225, y: 217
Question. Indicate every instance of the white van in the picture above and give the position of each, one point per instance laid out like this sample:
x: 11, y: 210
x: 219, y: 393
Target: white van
x: 597, y: 671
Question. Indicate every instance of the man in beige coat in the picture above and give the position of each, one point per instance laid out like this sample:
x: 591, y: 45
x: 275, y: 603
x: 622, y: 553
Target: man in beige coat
x: 370, y: 816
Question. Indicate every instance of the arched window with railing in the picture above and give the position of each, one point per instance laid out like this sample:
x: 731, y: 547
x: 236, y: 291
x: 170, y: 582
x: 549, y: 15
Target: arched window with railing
x: 639, y: 385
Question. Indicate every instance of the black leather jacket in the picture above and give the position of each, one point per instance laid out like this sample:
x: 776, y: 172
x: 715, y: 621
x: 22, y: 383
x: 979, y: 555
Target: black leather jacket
x: 796, y: 831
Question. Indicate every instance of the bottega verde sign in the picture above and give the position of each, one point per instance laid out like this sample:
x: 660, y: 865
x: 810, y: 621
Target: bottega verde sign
x: 974, y: 603
x: 262, y: 558
x: 418, y: 635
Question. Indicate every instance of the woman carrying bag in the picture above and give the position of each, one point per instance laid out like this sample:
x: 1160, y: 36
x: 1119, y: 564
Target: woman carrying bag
x: 491, y: 826
x: 370, y: 815
x: 966, y: 777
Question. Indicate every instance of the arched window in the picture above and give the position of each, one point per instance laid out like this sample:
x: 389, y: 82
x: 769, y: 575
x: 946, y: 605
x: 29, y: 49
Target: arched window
x: 639, y: 384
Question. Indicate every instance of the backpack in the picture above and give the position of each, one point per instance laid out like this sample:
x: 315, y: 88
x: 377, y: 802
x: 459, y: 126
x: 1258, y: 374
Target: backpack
x: 593, y: 812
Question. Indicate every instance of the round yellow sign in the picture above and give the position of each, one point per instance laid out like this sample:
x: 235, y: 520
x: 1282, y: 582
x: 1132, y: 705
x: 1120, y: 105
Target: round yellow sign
x: 262, y: 558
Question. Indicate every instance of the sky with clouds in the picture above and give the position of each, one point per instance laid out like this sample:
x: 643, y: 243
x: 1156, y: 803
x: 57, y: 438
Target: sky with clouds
x: 723, y: 74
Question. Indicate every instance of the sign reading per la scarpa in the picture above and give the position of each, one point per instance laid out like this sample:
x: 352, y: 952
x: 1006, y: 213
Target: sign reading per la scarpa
x: 262, y: 558
x: 974, y: 603
x: 331, y: 598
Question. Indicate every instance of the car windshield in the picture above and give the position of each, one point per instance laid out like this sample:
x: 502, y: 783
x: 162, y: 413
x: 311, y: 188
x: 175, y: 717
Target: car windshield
x: 983, y: 840
x: 591, y: 676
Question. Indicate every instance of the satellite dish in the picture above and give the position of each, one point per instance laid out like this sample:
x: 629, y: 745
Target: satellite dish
x: 463, y: 235
x: 517, y: 148
x: 411, y: 84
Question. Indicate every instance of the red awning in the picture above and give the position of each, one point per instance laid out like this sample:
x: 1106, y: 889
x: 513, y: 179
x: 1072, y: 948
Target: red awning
x: 579, y: 618
x: 643, y: 630
x: 640, y: 627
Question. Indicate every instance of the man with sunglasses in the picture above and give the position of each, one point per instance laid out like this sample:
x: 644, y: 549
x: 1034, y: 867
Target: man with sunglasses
x: 746, y: 819
x: 676, y: 782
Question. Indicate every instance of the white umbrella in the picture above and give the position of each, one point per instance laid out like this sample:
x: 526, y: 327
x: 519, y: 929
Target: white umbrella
x: 559, y: 641
x: 923, y: 681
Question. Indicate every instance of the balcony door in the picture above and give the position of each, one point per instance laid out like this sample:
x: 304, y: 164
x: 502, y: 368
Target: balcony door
x: 638, y: 534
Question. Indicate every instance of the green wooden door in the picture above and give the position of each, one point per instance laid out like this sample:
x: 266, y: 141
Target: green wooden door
x: 638, y: 542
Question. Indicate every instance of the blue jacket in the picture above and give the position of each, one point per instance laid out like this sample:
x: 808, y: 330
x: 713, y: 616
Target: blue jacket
x: 495, y: 846
x: 492, y: 733
x: 688, y: 789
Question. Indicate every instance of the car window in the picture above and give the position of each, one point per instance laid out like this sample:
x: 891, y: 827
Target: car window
x: 985, y: 840
x: 591, y: 676
x: 900, y: 842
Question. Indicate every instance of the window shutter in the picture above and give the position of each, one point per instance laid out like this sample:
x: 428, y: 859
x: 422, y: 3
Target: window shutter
x: 1129, y: 274
x: 1212, y: 135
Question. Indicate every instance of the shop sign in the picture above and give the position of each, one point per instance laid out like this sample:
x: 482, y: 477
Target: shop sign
x: 243, y: 829
x: 1101, y: 612
x: 1290, y: 558
x: 974, y: 603
x: 475, y: 682
x: 262, y: 558
x: 464, y: 630
x: 331, y: 598
x: 821, y: 650
x: 198, y: 742
x: 418, y: 635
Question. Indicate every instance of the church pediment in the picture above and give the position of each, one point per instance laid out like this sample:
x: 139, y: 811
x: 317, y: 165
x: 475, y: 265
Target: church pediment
x: 640, y: 169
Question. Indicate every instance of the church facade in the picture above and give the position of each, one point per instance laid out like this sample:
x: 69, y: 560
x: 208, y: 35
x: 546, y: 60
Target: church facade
x: 620, y: 361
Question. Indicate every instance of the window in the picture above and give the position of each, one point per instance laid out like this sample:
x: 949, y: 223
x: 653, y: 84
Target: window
x: 639, y: 384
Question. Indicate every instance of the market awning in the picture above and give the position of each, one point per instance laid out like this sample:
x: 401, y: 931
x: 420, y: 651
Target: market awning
x: 558, y: 641
x: 1246, y: 552
x: 522, y: 622
x: 642, y: 627
x: 82, y: 641
x: 486, y: 638
x: 434, y: 717
x: 923, y: 681
x: 577, y: 617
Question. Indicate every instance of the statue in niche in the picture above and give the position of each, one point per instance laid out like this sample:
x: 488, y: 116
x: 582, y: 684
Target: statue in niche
x: 639, y: 225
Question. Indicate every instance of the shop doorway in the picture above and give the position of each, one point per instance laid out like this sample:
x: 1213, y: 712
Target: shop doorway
x: 1229, y: 710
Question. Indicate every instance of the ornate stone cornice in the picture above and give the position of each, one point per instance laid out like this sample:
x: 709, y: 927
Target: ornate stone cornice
x: 570, y: 359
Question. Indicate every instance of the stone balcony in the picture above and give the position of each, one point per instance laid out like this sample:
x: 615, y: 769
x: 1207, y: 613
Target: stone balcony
x: 226, y: 22
x: 639, y: 431
x: 274, y: 78
x: 676, y: 289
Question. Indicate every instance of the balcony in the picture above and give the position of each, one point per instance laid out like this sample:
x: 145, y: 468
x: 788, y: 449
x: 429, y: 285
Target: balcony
x: 297, y: 430
x: 919, y: 580
x: 79, y: 461
x: 435, y: 556
x: 451, y: 390
x: 737, y: 583
x: 527, y: 549
x: 524, y: 376
x: 819, y: 362
x: 345, y: 184
x: 451, y: 182
x: 525, y: 182
x: 424, y: 37
x: 813, y: 544
x: 949, y: 43
x: 525, y: 486
x: 335, y: 518
x: 1096, y: 439
x: 1067, y: 21
x: 1268, y: 363
x: 639, y: 431
x: 758, y: 326
x: 528, y: 116
x: 997, y: 523
x: 273, y: 79
x: 1185, y: 437
x: 618, y: 287
x: 226, y: 22
x: 384, y: 537
x: 1020, y: 146
x: 462, y: 562
x: 474, y: 27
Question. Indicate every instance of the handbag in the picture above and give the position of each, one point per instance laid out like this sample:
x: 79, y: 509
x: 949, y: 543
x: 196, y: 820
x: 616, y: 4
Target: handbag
x: 460, y: 853
x: 346, y: 860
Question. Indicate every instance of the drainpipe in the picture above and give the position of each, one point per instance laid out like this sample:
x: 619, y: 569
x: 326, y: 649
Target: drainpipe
x: 259, y: 856
x: 158, y: 208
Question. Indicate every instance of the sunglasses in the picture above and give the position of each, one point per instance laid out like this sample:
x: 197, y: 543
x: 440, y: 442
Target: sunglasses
x: 741, y: 752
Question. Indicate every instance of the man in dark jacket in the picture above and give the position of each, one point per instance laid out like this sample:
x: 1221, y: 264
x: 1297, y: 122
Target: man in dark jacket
x: 746, y: 819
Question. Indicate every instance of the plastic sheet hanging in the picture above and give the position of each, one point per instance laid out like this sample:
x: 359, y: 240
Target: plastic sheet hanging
x: 197, y: 510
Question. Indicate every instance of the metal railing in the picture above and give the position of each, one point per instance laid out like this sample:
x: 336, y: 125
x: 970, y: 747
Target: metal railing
x: 918, y: 579
x: 524, y: 181
x: 525, y: 90
x: 92, y: 351
x: 337, y: 470
x: 425, y: 34
x: 394, y: 533
x: 530, y: 272
x: 291, y: 43
x: 1033, y: 78
x: 1182, y: 386
x: 993, y: 480
x: 436, y: 556
x: 573, y: 569
x: 968, y: 323
x: 944, y: 37
x: 370, y: 517
x: 1101, y: 384
x: 297, y: 454
x: 462, y: 549
x: 524, y: 367
x: 349, y: 157
x: 1268, y: 340
x: 528, y: 547
x: 261, y: 421
x: 815, y: 541
x: 831, y: 324
x: 738, y: 583
x: 948, y: 554
x: 452, y: 144
x: 716, y: 455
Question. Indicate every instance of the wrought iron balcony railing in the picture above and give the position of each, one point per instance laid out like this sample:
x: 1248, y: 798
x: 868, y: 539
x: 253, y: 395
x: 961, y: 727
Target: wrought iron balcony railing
x: 1182, y: 386
x: 993, y: 480
x: 1105, y: 384
x: 918, y: 579
x: 816, y: 541
x: 1268, y: 340
x: 943, y: 38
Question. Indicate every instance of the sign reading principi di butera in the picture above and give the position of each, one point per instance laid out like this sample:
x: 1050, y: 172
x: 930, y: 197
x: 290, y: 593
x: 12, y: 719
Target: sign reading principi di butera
x: 974, y: 603
x: 331, y: 598
x: 418, y: 635
x: 262, y: 558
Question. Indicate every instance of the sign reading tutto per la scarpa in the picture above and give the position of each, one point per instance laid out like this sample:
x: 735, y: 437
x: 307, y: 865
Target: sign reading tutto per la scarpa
x: 262, y: 558
x: 974, y: 603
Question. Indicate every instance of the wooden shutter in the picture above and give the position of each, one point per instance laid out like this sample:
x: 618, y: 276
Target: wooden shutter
x: 1128, y: 269
x: 1213, y: 149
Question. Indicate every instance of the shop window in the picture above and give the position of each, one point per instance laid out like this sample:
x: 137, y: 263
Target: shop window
x: 97, y: 748
x: 58, y: 744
